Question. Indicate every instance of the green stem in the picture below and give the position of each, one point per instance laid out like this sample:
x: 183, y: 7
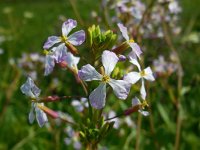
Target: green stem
x: 73, y: 4
x: 137, y: 144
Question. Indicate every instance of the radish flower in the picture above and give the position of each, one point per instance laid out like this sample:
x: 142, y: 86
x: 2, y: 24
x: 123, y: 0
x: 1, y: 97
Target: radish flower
x: 76, y: 38
x: 121, y: 88
x: 134, y: 46
x: 32, y: 91
x: 133, y: 77
x: 142, y: 105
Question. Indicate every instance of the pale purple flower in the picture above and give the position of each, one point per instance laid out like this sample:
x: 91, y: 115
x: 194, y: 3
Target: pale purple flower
x: 142, y: 105
x: 121, y: 88
x: 134, y: 46
x: 56, y: 55
x: 32, y: 91
x: 76, y: 38
x: 133, y: 77
x: 79, y: 105
x: 72, y: 138
x: 174, y: 7
x: 163, y: 67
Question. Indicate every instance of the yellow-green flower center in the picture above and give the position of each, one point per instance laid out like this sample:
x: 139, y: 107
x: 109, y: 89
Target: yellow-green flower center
x: 144, y: 104
x: 105, y: 79
x: 46, y: 52
x: 131, y: 41
x: 142, y: 73
x: 63, y: 38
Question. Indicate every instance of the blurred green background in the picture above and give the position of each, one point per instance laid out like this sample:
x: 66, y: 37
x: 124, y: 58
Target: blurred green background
x: 25, y: 25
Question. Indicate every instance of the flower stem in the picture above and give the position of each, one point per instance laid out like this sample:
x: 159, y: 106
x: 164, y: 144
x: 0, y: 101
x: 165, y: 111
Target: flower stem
x: 137, y: 144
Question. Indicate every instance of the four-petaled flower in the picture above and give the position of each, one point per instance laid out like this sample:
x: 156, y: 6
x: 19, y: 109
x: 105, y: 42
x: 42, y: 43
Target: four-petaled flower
x: 121, y: 88
x: 133, y: 77
x: 134, y: 46
x: 31, y: 90
x: 142, y: 105
x: 76, y: 38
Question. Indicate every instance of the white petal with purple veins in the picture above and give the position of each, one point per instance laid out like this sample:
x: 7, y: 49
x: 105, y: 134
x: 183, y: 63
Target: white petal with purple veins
x: 123, y: 30
x: 109, y: 61
x: 30, y: 89
x: 144, y: 113
x: 49, y: 65
x: 77, y: 38
x: 149, y: 74
x: 71, y: 60
x: 135, y: 47
x: 41, y: 117
x: 135, y: 101
x: 98, y: 96
x: 51, y: 41
x: 60, y: 53
x: 132, y: 77
x: 133, y: 59
x: 31, y: 116
x: 121, y: 88
x: 67, y: 26
x: 88, y: 73
x: 142, y: 90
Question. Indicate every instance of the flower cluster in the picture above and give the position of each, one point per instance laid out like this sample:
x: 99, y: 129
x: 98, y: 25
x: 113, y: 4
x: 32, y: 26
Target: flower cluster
x: 134, y: 13
x: 101, y: 66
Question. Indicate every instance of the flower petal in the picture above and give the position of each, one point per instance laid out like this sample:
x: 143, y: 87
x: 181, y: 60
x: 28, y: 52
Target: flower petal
x: 123, y: 30
x: 144, y: 113
x: 30, y: 89
x: 31, y: 116
x: 135, y: 101
x: 132, y: 77
x: 143, y: 91
x: 77, y: 105
x: 136, y: 49
x: 60, y: 53
x: 77, y: 38
x: 49, y: 65
x: 41, y: 117
x: 71, y: 60
x: 109, y: 61
x: 133, y: 59
x: 51, y: 41
x: 88, y: 73
x: 149, y: 74
x: 98, y: 96
x: 67, y: 26
x: 121, y: 88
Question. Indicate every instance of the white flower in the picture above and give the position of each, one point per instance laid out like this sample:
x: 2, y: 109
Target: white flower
x: 121, y: 88
x: 136, y: 102
x: 133, y: 77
